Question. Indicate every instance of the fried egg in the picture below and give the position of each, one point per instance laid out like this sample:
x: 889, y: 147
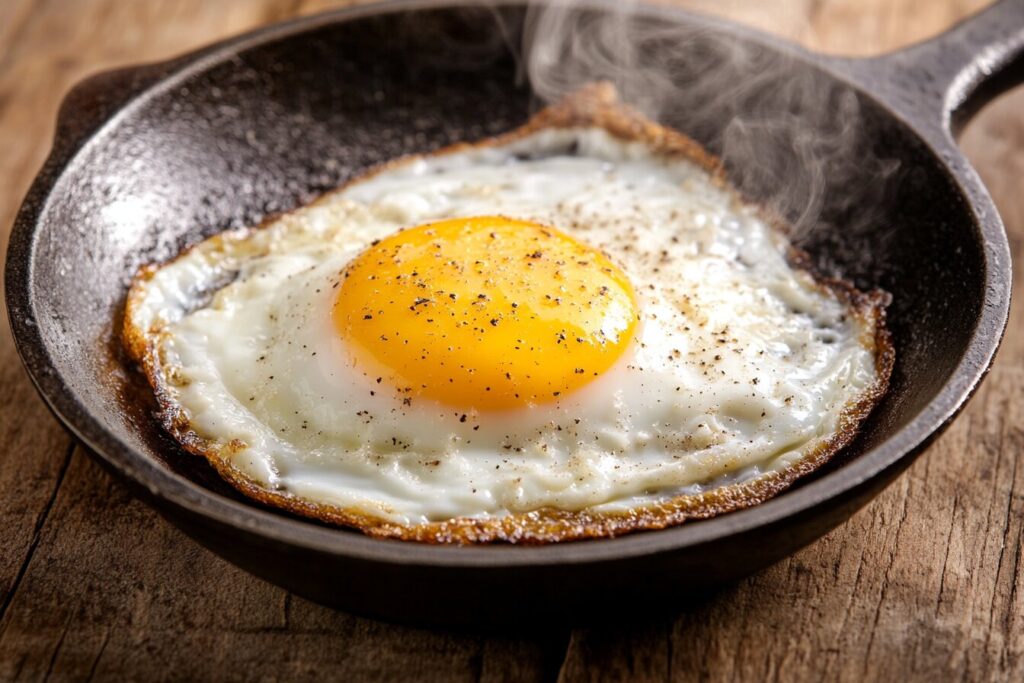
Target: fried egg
x: 573, y: 330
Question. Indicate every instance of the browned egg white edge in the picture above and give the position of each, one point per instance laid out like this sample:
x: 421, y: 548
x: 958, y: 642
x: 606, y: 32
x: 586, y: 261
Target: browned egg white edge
x: 595, y: 105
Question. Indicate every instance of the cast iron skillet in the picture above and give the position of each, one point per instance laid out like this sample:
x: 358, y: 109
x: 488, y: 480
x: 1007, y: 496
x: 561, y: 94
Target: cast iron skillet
x: 150, y: 159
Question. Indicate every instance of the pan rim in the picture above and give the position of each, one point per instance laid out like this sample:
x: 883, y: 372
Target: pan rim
x: 182, y: 493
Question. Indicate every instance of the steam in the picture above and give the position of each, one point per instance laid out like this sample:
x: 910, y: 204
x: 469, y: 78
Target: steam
x: 788, y: 137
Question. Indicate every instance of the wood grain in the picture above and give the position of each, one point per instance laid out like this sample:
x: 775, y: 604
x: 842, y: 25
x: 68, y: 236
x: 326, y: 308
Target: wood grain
x: 926, y: 583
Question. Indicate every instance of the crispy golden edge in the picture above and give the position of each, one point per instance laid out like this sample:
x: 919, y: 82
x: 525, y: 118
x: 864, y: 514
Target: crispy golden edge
x: 595, y: 105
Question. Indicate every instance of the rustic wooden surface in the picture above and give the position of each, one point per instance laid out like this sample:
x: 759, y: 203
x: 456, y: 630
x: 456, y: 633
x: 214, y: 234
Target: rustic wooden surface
x: 926, y: 583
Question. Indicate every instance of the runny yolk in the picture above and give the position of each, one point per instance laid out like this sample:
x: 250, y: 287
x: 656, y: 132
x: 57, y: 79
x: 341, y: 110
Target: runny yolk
x: 486, y: 313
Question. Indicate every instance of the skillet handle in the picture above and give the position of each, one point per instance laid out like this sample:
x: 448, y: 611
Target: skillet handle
x: 92, y: 101
x: 946, y: 80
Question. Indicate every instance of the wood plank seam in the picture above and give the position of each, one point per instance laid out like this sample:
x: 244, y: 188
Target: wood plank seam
x: 1002, y: 551
x: 56, y: 649
x: 886, y: 584
x: 99, y: 655
x: 945, y: 558
x: 36, y: 535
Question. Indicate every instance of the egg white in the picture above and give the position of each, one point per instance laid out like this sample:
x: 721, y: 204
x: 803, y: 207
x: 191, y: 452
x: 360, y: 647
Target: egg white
x: 742, y: 366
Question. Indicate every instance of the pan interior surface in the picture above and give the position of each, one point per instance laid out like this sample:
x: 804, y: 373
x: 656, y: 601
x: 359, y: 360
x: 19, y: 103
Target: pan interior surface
x: 267, y: 126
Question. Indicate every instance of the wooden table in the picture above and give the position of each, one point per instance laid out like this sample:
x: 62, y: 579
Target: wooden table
x: 926, y: 583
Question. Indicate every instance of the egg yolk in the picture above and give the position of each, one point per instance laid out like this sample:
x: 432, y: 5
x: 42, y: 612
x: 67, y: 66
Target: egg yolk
x: 487, y: 312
